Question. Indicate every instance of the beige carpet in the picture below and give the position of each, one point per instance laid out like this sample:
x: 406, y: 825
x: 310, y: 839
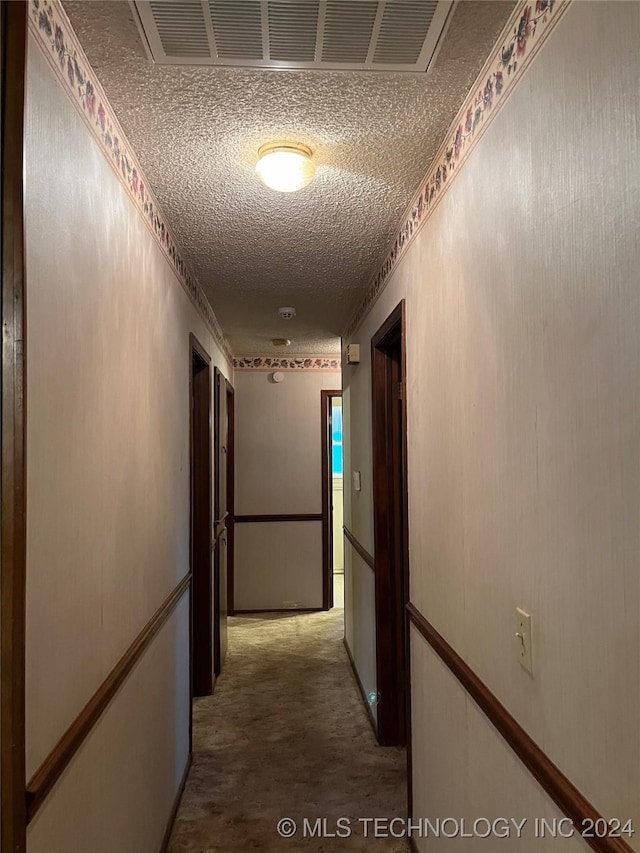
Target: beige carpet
x: 285, y: 736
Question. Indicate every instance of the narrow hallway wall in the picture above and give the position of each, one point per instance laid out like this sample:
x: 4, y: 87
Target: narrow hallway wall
x: 523, y: 359
x: 278, y: 564
x: 108, y: 481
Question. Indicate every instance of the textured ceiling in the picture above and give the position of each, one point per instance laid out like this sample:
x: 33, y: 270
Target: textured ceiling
x: 196, y: 132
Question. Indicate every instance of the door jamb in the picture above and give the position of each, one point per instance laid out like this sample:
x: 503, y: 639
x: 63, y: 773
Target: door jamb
x: 392, y: 589
x: 196, y: 349
x: 231, y: 493
x: 13, y: 32
x: 220, y: 526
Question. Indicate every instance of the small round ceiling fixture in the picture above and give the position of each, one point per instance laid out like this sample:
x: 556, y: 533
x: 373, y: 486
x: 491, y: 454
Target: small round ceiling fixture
x: 285, y: 166
x: 287, y: 312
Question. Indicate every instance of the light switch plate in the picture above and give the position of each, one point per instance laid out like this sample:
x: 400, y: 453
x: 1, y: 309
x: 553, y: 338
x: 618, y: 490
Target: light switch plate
x: 524, y: 642
x: 357, y: 484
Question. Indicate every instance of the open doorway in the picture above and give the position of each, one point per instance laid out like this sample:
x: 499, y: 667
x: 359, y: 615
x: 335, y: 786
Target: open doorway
x: 332, y: 493
x: 202, y: 628
x: 337, y: 489
x: 390, y: 527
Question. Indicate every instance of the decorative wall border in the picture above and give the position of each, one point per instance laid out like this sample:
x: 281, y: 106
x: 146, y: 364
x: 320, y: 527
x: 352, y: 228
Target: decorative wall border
x: 301, y: 362
x: 525, y: 32
x: 54, y: 34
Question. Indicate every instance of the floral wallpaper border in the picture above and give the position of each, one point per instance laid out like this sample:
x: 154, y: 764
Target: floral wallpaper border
x: 302, y: 362
x: 527, y: 29
x: 55, y: 36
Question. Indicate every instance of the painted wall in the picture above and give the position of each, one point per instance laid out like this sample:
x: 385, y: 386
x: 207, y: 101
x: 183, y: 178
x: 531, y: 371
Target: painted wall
x: 108, y: 367
x: 338, y: 520
x: 278, y: 471
x: 523, y: 361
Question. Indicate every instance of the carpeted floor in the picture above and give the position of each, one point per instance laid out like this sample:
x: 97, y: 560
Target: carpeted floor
x: 285, y: 735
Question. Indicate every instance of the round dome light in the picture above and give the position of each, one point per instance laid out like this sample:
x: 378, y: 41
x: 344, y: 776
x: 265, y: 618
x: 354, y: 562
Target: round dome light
x: 285, y: 166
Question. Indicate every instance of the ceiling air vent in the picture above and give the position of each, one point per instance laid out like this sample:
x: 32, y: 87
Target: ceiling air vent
x: 350, y: 35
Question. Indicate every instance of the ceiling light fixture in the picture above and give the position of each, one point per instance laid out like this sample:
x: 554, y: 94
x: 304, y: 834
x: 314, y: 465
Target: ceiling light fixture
x: 285, y: 166
x: 287, y: 313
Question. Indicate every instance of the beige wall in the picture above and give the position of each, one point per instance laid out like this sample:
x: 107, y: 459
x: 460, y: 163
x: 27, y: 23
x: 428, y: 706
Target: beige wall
x: 278, y: 471
x: 108, y: 485
x: 523, y: 316
x: 338, y: 520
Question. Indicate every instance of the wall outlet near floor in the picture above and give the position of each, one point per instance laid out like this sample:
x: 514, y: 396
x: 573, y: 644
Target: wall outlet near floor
x: 524, y: 642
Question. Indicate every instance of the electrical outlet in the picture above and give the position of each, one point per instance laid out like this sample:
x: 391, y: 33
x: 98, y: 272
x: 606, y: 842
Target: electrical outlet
x: 524, y: 640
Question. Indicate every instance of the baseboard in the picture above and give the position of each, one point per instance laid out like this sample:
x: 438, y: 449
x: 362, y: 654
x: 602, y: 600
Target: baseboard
x: 363, y: 694
x: 174, y: 809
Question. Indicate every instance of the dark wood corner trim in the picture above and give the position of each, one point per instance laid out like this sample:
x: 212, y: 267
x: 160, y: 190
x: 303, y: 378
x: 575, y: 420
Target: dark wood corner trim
x: 557, y: 786
x: 366, y: 556
x: 262, y: 519
x: 176, y: 803
x: 363, y: 694
x: 13, y: 33
x: 60, y: 756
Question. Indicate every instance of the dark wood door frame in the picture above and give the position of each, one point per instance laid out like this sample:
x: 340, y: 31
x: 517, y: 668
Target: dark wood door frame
x: 200, y: 520
x: 388, y: 374
x: 13, y: 45
x: 231, y: 492
x: 327, y: 496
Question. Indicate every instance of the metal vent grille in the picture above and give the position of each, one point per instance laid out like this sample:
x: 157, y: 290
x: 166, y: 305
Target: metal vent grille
x: 367, y: 35
x: 237, y: 28
x: 405, y: 24
x: 348, y: 27
x: 292, y: 30
x: 181, y: 28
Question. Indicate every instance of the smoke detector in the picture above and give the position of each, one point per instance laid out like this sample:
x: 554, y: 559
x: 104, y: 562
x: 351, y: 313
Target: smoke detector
x: 287, y: 313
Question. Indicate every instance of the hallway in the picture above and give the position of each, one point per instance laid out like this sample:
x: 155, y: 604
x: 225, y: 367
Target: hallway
x: 285, y: 735
x: 294, y: 288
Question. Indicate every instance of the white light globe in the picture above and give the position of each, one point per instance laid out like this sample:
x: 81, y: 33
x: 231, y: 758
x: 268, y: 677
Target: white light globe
x: 285, y: 167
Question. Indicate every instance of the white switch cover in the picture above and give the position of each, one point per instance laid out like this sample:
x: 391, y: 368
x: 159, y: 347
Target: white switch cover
x: 523, y: 640
x: 357, y: 485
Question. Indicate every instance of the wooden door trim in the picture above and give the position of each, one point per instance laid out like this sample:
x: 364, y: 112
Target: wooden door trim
x: 327, y: 527
x: 389, y: 589
x: 197, y: 349
x: 221, y: 523
x: 231, y: 496
x: 13, y: 26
